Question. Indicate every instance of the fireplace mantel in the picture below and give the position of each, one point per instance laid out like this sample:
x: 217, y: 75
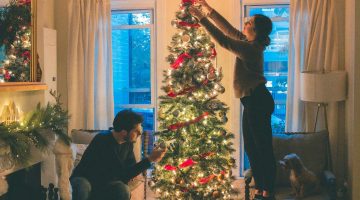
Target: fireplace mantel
x: 22, y: 86
x: 58, y: 172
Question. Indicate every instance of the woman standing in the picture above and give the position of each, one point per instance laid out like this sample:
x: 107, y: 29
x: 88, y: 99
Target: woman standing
x: 249, y: 86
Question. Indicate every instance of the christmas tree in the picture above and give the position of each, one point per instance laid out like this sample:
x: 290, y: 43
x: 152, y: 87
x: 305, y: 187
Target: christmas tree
x: 198, y: 162
x: 15, y: 39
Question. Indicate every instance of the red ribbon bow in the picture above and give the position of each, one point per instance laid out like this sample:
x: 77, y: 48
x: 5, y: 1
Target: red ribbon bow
x: 170, y: 168
x: 180, y: 60
x: 206, y: 179
x: 187, y: 163
x: 188, y: 24
x: 182, y: 124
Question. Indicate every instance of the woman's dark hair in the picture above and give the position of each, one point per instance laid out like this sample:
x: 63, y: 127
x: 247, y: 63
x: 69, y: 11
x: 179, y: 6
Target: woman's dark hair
x: 126, y: 120
x: 263, y: 28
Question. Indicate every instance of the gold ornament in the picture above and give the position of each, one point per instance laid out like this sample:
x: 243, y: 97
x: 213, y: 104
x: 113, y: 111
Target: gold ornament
x: 221, y: 177
x: 25, y: 38
x: 216, y: 194
x: 179, y: 181
x: 185, y: 38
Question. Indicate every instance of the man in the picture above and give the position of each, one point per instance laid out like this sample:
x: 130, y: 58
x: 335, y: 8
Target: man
x: 109, y: 163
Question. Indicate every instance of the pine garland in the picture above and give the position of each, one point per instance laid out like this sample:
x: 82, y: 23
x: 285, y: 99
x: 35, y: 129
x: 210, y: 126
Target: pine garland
x: 21, y: 136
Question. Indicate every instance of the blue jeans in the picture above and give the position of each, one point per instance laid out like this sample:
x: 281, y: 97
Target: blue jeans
x: 82, y: 190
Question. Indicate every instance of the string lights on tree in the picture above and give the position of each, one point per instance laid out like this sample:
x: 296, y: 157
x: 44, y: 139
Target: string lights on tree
x: 198, y: 162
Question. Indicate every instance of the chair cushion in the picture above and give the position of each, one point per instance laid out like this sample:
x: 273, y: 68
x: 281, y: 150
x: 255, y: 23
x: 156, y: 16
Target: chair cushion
x: 83, y: 136
x: 310, y: 147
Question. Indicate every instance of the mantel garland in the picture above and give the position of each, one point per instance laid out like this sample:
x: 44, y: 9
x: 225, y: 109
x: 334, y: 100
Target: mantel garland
x: 20, y: 136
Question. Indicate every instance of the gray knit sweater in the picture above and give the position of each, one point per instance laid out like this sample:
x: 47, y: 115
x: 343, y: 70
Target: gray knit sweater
x: 249, y: 71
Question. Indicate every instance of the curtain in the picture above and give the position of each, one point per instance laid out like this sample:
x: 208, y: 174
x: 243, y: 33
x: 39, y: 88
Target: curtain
x: 90, y: 85
x: 316, y: 45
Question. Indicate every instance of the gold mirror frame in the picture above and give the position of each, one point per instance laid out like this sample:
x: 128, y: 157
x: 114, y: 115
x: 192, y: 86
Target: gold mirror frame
x: 34, y: 59
x: 32, y: 84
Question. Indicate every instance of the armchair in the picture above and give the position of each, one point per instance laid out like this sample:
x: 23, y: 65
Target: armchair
x: 312, y: 148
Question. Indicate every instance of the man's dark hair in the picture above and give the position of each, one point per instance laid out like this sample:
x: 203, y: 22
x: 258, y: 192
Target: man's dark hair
x: 126, y: 120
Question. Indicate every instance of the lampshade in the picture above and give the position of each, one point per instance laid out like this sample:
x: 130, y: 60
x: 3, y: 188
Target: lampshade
x: 323, y: 87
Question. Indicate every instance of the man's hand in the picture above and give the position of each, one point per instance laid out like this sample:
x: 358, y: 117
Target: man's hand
x: 157, y: 154
x: 196, y: 13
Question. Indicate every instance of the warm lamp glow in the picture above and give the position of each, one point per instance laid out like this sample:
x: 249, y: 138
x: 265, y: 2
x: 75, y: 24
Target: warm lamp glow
x: 323, y: 87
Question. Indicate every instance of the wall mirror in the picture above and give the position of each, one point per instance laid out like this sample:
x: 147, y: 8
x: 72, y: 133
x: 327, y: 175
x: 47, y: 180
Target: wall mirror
x: 18, y: 57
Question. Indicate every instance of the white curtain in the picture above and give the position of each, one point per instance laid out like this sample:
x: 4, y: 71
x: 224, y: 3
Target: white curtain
x: 90, y: 85
x: 316, y: 44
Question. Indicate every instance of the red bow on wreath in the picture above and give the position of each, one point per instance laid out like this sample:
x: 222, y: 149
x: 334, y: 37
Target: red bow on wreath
x: 24, y: 2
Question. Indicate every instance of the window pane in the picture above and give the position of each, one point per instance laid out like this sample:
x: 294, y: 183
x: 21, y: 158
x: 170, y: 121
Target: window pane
x: 276, y: 59
x: 132, y: 66
x: 131, y: 18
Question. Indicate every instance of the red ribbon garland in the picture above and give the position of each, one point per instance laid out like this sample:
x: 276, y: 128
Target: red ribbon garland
x: 170, y: 168
x: 187, y: 163
x: 180, y: 60
x: 206, y: 179
x: 189, y: 24
x: 182, y: 124
x: 185, y: 91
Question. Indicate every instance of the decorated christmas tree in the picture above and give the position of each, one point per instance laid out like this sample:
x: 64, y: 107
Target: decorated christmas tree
x: 15, y: 36
x: 198, y: 162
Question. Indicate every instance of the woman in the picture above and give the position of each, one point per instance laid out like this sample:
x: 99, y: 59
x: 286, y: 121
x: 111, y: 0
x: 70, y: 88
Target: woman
x: 249, y: 86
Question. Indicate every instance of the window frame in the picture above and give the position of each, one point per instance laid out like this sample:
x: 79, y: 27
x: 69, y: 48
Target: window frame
x: 240, y: 20
x: 136, y: 6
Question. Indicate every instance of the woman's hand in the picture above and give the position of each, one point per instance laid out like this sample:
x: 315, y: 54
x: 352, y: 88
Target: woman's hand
x: 196, y: 13
x: 203, y: 3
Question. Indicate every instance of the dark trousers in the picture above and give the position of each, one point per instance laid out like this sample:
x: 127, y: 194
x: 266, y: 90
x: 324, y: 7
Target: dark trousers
x: 257, y: 134
x: 83, y: 190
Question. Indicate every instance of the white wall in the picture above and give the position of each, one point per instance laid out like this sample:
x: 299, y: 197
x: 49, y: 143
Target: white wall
x: 61, y: 25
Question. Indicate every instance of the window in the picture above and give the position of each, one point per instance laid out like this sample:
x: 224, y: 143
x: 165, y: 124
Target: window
x: 133, y: 70
x: 275, y: 60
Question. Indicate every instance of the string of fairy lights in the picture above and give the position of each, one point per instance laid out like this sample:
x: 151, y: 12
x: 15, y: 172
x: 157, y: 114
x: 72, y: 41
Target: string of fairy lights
x: 198, y: 163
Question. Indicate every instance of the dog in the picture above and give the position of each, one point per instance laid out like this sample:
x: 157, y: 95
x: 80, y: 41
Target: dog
x: 303, y: 181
